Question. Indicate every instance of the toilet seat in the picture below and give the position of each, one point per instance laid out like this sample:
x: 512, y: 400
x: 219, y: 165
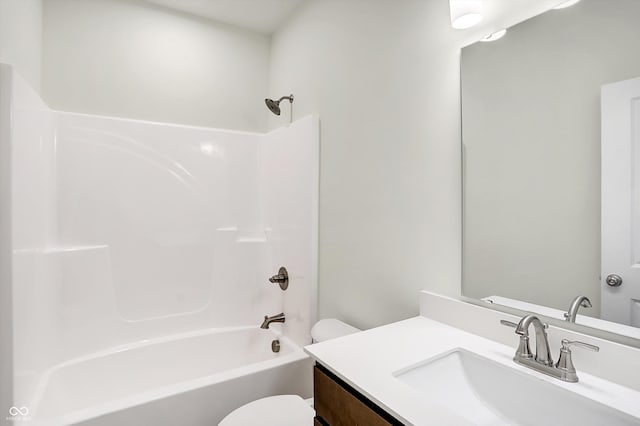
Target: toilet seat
x: 281, y: 410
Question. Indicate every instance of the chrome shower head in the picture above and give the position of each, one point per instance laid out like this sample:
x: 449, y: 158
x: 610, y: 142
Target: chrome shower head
x: 274, y: 106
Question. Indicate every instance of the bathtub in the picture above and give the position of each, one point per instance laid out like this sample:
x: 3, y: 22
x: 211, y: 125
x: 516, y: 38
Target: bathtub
x: 193, y: 378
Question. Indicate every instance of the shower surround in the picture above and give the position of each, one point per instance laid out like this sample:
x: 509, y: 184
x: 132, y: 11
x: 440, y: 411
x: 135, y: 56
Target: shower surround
x: 140, y: 255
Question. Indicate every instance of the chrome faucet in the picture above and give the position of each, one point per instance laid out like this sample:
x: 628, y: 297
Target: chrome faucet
x: 543, y: 354
x: 542, y: 362
x: 268, y: 320
x: 575, y: 305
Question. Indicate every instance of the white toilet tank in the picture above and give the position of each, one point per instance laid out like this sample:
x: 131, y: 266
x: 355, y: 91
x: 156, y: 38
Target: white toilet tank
x: 331, y: 328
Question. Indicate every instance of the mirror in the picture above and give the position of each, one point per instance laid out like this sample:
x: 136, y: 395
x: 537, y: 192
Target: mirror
x: 550, y: 112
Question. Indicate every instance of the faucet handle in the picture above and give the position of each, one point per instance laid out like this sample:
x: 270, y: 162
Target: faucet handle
x: 281, y: 278
x: 565, y: 363
x: 515, y: 325
x: 566, y: 344
x: 524, y: 350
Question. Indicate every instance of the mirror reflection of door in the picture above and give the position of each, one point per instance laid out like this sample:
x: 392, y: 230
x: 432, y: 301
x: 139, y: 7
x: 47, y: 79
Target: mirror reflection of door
x: 535, y: 208
x: 621, y: 202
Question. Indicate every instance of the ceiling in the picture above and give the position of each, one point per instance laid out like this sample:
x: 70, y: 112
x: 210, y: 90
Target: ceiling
x: 263, y: 16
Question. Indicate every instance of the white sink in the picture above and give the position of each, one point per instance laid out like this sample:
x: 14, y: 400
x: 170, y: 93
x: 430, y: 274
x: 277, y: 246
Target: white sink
x: 486, y: 392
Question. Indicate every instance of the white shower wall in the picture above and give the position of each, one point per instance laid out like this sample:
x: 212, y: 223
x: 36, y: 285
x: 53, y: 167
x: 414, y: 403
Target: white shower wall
x: 32, y: 211
x: 127, y: 230
x: 289, y: 200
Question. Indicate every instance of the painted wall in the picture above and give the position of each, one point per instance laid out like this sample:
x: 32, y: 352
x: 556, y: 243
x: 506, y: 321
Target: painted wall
x: 21, y: 38
x: 384, y: 77
x: 386, y: 88
x: 532, y: 135
x: 133, y: 59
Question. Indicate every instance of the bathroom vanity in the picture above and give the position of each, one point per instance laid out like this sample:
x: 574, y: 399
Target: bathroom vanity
x: 337, y: 403
x: 453, y: 365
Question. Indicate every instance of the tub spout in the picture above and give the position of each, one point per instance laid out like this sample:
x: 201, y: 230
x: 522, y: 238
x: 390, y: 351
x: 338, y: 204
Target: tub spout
x: 268, y: 320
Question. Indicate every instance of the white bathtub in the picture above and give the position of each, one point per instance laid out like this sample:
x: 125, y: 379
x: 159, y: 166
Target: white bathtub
x: 189, y: 379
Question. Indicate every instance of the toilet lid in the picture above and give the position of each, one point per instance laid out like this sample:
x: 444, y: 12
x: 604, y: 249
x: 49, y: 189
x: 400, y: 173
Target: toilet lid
x: 281, y: 410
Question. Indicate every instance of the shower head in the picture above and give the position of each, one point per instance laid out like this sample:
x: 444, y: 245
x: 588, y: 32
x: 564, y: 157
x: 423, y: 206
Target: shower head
x: 274, y: 106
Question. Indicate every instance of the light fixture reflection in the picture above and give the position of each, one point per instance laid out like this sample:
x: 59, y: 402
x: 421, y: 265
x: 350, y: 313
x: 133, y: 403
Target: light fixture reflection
x: 465, y: 13
x: 211, y: 150
x: 495, y: 36
x: 568, y: 3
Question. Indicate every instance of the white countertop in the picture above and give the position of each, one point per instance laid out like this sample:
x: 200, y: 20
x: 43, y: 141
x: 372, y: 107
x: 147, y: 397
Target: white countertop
x: 367, y: 361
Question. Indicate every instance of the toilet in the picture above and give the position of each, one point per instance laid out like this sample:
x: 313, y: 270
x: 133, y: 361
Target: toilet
x: 287, y: 410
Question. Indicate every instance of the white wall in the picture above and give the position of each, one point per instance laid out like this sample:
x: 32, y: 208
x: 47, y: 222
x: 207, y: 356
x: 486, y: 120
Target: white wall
x: 532, y: 136
x: 386, y: 88
x: 384, y: 77
x: 136, y: 60
x: 21, y: 38
x: 6, y: 290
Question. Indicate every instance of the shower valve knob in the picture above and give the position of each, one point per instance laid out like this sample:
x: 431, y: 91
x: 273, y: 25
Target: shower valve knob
x: 282, y: 278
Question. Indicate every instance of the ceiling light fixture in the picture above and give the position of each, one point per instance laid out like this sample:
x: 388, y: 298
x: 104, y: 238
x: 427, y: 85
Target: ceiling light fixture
x: 495, y: 36
x: 465, y: 13
x: 566, y: 4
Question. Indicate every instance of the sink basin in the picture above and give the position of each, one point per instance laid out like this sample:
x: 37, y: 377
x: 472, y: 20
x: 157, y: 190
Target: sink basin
x: 486, y: 392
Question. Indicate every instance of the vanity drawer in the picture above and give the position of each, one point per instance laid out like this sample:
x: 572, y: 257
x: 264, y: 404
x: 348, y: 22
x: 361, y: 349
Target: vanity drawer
x: 338, y: 404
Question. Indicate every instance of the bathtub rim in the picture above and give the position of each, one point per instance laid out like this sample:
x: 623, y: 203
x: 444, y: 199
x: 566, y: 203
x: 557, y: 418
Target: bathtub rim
x: 297, y: 354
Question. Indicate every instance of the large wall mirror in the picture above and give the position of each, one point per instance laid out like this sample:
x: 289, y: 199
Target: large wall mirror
x: 551, y: 166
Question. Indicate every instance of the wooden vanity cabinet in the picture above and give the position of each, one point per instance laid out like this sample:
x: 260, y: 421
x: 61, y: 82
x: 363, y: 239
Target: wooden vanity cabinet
x: 338, y: 404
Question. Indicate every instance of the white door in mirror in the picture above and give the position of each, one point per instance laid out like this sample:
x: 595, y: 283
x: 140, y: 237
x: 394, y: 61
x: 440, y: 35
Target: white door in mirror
x: 621, y: 202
